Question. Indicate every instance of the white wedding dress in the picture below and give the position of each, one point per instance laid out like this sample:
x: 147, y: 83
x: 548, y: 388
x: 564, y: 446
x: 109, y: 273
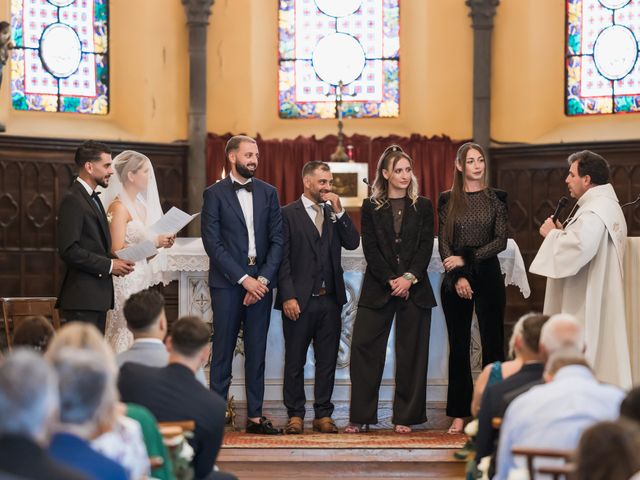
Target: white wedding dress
x: 117, y: 333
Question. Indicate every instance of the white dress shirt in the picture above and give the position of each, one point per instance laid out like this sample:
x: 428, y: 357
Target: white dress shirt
x: 246, y: 204
x: 554, y: 415
x: 90, y: 192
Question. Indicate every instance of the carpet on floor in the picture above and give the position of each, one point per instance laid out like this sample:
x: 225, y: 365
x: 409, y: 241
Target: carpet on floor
x: 373, y: 439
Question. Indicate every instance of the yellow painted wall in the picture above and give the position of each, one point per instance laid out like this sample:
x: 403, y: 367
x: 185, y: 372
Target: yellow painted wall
x: 528, y: 80
x: 149, y: 77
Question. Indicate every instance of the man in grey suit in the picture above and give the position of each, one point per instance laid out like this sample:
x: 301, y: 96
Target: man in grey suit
x: 147, y: 321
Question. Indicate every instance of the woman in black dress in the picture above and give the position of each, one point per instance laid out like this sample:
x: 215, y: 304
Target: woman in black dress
x: 473, y: 230
x: 397, y: 239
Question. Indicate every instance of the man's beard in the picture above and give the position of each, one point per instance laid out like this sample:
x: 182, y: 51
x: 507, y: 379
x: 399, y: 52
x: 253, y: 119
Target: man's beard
x: 244, y: 171
x: 102, y: 182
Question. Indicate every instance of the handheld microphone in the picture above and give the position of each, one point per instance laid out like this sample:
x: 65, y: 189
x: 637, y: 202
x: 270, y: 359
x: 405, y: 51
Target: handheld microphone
x: 561, y: 204
x: 366, y: 181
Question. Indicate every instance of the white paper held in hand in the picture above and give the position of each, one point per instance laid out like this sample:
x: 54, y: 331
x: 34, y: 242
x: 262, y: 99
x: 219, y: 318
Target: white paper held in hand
x: 138, y: 251
x: 172, y: 222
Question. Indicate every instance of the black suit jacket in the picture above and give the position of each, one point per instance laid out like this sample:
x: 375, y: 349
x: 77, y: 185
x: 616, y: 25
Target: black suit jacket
x: 493, y: 404
x: 378, y: 243
x: 24, y: 458
x: 84, y: 244
x: 172, y: 393
x: 300, y: 253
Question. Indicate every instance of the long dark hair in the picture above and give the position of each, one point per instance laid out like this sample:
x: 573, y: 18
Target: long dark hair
x: 457, y: 201
x: 388, y: 161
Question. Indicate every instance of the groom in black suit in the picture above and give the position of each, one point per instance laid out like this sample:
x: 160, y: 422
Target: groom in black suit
x: 242, y: 234
x: 311, y: 293
x: 84, y: 242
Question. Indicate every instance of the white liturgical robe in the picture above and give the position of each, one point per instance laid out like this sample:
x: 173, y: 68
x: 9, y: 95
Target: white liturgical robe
x: 584, y: 268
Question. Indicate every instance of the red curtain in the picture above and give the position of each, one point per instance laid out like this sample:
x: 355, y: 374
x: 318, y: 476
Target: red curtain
x: 281, y: 161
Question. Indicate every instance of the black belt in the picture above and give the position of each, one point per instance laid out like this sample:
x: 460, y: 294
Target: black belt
x: 251, y: 261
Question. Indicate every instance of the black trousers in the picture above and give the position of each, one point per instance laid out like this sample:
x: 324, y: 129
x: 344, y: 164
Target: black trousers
x: 321, y: 323
x: 489, y: 300
x: 99, y: 319
x: 368, y: 352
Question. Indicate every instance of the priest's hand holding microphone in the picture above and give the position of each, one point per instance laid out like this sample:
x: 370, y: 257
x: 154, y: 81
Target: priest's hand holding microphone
x: 552, y: 222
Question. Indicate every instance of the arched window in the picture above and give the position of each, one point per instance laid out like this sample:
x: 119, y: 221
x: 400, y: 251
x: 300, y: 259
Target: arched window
x: 372, y: 25
x: 602, y: 68
x: 60, y: 59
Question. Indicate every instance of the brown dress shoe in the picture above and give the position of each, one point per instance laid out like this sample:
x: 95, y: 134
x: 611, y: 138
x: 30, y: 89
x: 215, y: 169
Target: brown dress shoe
x: 295, y: 426
x: 324, y: 425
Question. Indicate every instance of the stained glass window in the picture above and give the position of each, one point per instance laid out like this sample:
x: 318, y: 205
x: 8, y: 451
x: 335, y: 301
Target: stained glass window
x: 374, y: 24
x: 60, y: 60
x: 602, y: 68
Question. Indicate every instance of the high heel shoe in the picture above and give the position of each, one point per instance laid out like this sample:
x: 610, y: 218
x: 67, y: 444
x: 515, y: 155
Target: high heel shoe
x: 402, y: 429
x: 357, y: 428
x: 457, y: 426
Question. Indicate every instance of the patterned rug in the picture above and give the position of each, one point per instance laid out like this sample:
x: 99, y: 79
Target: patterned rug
x: 374, y: 439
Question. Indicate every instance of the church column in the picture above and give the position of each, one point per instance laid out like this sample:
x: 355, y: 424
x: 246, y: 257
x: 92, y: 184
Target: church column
x: 198, y: 12
x: 482, y: 13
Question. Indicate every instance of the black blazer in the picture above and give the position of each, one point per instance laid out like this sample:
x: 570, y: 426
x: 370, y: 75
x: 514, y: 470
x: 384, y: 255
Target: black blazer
x: 26, y: 459
x: 84, y: 244
x: 172, y: 393
x: 300, y: 253
x: 493, y: 404
x: 378, y: 243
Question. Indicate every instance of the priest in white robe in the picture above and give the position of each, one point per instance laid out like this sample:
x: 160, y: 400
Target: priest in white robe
x: 583, y: 263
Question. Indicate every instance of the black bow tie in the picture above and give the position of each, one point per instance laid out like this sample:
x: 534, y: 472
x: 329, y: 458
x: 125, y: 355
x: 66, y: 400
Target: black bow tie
x: 95, y: 194
x: 239, y: 186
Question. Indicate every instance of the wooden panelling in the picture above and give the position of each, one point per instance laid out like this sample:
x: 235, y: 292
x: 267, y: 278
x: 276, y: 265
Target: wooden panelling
x: 34, y: 174
x: 533, y: 176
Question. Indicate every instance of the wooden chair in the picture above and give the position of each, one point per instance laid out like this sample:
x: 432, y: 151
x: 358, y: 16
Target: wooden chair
x: 558, y: 472
x: 15, y: 309
x: 531, y: 453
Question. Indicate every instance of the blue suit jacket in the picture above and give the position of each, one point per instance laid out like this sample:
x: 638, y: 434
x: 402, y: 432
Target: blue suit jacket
x: 225, y: 236
x: 77, y: 453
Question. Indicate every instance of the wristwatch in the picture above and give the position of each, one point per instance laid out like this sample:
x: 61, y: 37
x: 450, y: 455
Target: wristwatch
x: 263, y: 280
x: 410, y: 276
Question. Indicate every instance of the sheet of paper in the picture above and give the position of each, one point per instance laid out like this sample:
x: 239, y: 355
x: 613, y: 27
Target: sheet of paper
x: 172, y: 222
x: 138, y: 251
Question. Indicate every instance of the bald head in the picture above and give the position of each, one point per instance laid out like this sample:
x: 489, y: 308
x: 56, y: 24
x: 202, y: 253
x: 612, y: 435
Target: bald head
x: 561, y: 332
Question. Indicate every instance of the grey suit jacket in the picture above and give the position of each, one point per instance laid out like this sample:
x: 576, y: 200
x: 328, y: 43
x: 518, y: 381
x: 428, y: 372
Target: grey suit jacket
x: 151, y: 354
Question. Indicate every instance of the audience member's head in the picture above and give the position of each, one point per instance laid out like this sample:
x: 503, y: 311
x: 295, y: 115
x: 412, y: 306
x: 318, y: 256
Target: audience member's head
x: 630, y: 406
x: 564, y: 357
x: 189, y: 341
x: 88, y: 393
x: 561, y: 331
x: 83, y: 336
x: 28, y: 395
x: 608, y: 451
x: 145, y: 315
x: 526, y: 342
x: 34, y: 332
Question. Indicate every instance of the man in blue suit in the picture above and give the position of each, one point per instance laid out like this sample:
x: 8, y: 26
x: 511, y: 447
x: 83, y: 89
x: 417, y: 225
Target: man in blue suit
x: 242, y: 234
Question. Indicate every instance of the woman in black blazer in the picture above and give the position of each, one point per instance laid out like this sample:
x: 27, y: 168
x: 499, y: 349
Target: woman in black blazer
x: 397, y: 239
x: 473, y: 230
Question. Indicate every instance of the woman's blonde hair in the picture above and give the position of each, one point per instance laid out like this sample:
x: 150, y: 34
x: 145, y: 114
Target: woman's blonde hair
x: 128, y: 161
x: 388, y: 161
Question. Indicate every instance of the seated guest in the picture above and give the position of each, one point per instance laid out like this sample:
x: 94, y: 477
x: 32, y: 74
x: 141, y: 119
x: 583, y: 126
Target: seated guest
x: 630, y: 406
x: 120, y: 437
x: 526, y: 347
x: 34, y: 332
x: 145, y: 315
x: 608, y: 451
x: 144, y: 312
x: 555, y: 414
x: 498, y: 371
x: 28, y: 402
x: 172, y: 393
x: 87, y: 398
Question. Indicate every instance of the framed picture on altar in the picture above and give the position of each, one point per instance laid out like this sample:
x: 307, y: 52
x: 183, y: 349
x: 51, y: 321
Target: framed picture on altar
x: 348, y: 182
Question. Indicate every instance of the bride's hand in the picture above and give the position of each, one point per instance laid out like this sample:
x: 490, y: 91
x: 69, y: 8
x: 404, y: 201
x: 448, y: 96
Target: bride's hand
x: 165, y: 241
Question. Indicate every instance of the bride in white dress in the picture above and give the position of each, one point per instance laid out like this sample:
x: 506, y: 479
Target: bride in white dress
x: 133, y: 205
